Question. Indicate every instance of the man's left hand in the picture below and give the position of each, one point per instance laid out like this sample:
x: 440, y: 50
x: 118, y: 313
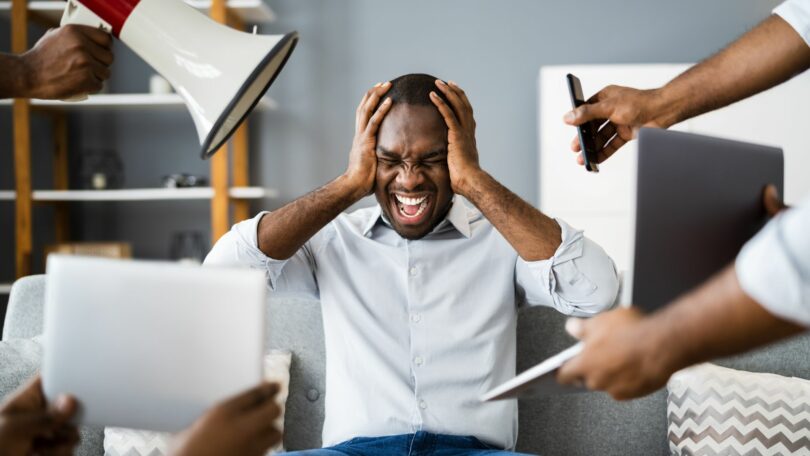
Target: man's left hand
x: 462, y: 153
x: 619, y: 357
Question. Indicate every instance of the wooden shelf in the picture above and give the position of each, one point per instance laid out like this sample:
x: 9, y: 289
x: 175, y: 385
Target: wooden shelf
x: 123, y: 101
x: 249, y: 11
x: 5, y: 288
x: 143, y: 194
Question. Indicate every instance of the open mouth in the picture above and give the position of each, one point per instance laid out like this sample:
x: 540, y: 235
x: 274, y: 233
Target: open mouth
x: 411, y: 210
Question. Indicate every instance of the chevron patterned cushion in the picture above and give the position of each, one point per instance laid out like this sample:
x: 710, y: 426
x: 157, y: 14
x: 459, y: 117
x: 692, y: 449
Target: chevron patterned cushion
x: 713, y: 410
x: 133, y: 442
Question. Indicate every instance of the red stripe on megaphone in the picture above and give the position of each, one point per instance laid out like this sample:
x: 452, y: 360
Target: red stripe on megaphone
x: 114, y: 12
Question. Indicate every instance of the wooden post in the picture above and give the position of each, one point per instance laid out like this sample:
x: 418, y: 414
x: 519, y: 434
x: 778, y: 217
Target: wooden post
x: 60, y: 175
x: 22, y: 149
x: 239, y: 148
x: 241, y: 207
x: 219, y: 162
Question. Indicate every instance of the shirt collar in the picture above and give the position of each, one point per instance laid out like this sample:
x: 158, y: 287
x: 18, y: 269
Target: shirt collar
x: 457, y: 216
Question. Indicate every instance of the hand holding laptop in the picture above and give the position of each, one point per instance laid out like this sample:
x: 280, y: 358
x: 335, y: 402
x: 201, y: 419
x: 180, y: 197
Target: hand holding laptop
x: 29, y: 425
x: 243, y: 424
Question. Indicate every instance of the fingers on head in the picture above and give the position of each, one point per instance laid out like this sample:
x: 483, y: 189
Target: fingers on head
x: 371, y: 102
x: 376, y: 119
x: 452, y: 92
x: 445, y: 110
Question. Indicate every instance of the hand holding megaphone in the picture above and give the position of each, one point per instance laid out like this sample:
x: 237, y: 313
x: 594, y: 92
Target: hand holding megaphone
x: 66, y: 62
x: 220, y: 73
x: 76, y: 14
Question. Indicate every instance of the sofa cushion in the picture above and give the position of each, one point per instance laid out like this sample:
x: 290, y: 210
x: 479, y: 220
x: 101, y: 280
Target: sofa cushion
x: 713, y: 409
x: 295, y: 324
x: 580, y: 423
x: 25, y: 308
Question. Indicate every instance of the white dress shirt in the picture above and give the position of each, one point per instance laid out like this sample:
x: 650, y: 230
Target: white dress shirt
x: 417, y: 330
x: 774, y: 267
x: 797, y: 14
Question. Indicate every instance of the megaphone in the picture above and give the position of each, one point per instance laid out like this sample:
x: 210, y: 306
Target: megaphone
x: 220, y: 73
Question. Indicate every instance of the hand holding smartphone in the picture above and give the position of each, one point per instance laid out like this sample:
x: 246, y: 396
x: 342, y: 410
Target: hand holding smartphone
x: 586, y: 131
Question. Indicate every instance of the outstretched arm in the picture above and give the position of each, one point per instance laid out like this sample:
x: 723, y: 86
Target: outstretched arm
x: 67, y: 61
x: 283, y: 232
x: 769, y: 54
x: 629, y: 355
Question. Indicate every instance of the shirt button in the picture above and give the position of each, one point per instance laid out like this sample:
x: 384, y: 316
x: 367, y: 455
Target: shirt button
x: 418, y: 360
x: 416, y: 318
x: 422, y: 405
x: 414, y: 271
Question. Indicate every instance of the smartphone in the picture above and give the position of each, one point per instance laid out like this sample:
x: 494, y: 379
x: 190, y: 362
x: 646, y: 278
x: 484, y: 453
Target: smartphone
x: 587, y: 131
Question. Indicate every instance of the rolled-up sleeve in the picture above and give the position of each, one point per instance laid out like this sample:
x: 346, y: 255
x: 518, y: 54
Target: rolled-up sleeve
x: 797, y: 14
x: 773, y: 268
x: 239, y: 248
x: 580, y: 279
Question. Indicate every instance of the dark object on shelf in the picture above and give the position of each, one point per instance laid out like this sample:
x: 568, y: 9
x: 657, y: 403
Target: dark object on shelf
x: 184, y: 181
x: 188, y: 246
x: 101, y: 170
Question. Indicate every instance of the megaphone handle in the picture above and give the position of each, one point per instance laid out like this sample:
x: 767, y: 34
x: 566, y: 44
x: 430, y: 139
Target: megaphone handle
x: 76, y: 13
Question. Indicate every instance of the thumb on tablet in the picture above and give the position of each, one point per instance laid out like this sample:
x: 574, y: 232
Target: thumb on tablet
x: 575, y: 327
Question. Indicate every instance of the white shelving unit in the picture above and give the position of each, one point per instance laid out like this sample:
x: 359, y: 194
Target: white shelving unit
x: 249, y: 11
x: 127, y: 101
x: 142, y: 194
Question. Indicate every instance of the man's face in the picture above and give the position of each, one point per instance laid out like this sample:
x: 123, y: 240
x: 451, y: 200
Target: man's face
x: 413, y: 182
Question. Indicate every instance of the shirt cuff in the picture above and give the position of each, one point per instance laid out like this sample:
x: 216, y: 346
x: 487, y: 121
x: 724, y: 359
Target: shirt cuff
x: 797, y: 14
x: 570, y: 248
x: 766, y: 272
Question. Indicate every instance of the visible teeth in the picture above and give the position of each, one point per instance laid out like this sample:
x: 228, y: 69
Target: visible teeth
x: 410, y: 201
x: 421, y: 209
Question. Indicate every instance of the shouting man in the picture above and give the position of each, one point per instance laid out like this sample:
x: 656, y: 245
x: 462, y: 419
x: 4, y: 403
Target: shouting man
x: 420, y: 293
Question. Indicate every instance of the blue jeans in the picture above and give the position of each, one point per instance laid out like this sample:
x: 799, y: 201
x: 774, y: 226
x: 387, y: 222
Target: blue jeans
x: 419, y: 444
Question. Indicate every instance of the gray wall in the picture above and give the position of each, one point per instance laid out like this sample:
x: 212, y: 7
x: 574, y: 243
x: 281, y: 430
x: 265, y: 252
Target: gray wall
x: 492, y: 48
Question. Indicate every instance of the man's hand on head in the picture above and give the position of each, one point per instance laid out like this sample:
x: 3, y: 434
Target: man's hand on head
x: 462, y: 152
x: 28, y: 425
x: 362, y: 168
x: 620, y: 112
x: 69, y: 61
x: 619, y: 356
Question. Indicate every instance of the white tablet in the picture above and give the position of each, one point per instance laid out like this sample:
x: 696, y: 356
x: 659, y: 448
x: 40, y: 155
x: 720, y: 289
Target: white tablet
x: 537, y: 381
x: 150, y: 345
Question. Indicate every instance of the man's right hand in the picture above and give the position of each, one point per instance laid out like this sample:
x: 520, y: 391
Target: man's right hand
x: 242, y: 425
x: 362, y: 168
x: 622, y: 110
x: 69, y: 61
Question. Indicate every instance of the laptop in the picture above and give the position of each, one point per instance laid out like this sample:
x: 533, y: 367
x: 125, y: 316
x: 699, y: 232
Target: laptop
x: 149, y: 345
x: 699, y: 199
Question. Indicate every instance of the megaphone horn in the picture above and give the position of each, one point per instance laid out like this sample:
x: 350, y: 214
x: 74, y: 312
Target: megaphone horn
x: 220, y: 73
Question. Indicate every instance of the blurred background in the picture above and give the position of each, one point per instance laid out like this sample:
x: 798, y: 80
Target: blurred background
x: 493, y: 49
